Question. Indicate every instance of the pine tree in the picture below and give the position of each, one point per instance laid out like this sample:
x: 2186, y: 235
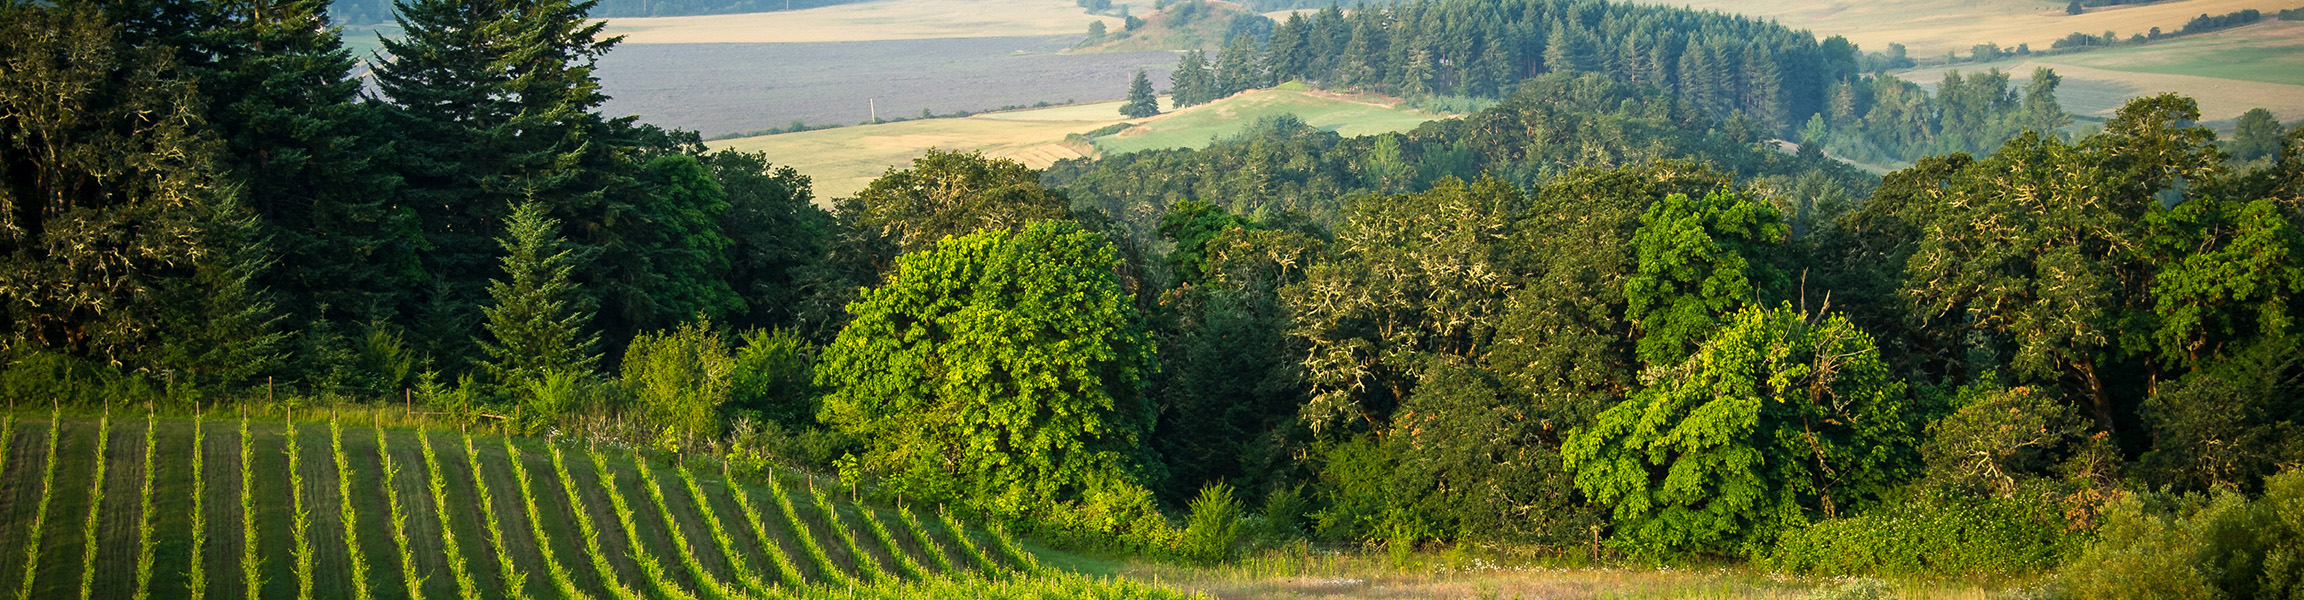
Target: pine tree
x: 537, y: 325
x: 1190, y: 84
x: 1237, y: 70
x: 1141, y: 102
x: 1286, y: 54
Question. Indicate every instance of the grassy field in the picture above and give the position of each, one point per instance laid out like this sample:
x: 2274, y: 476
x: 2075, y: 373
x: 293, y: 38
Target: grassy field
x: 1931, y: 27
x: 843, y: 160
x: 2228, y: 72
x: 868, y: 21
x: 108, y: 507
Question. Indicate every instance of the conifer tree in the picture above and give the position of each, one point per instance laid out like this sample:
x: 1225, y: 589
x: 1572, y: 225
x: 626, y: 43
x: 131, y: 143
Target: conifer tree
x: 1141, y: 102
x: 1191, y: 84
x: 537, y: 325
x: 1237, y: 70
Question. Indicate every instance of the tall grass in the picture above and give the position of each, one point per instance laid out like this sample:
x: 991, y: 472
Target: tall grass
x: 144, y: 550
x: 399, y: 515
x: 719, y: 532
x: 40, y: 516
x: 251, y: 562
x: 515, y: 583
x: 650, y: 567
x: 89, y: 539
x: 711, y: 583
x: 562, y: 582
x: 347, y: 513
x: 466, y: 587
x: 302, y: 515
x: 866, y: 564
x: 807, y: 539
x: 584, y: 526
x: 196, y: 576
x: 785, y: 568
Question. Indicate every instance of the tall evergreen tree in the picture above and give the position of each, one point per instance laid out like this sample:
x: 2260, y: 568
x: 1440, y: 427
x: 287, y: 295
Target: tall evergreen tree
x: 1141, y: 102
x: 1237, y: 70
x: 1191, y: 83
x: 1290, y: 49
x: 537, y: 325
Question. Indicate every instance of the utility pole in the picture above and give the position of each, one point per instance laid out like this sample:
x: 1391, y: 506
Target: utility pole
x: 875, y: 104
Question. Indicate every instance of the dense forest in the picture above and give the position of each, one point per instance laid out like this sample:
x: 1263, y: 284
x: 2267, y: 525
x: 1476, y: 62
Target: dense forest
x: 1606, y: 318
x: 379, y: 12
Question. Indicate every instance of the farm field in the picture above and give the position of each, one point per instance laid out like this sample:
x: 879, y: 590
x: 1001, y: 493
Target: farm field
x: 722, y: 89
x: 177, y: 507
x: 867, y: 21
x: 2228, y: 72
x: 1931, y: 27
x: 843, y: 160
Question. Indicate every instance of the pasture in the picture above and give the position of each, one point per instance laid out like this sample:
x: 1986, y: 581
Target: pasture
x: 129, y: 504
x: 867, y: 21
x: 2228, y: 72
x: 1931, y: 27
x: 843, y: 160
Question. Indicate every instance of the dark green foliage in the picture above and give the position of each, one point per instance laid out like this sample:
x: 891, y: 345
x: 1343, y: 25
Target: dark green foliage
x: 777, y: 237
x: 1191, y: 83
x: 1141, y: 102
x: 1001, y: 369
x: 2230, y: 423
x: 538, y: 324
x: 943, y: 195
x: 2255, y: 137
x: 1779, y: 419
x: 774, y: 377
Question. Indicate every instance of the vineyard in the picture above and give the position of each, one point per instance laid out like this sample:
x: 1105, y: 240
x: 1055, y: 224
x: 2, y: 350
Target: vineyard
x: 136, y: 506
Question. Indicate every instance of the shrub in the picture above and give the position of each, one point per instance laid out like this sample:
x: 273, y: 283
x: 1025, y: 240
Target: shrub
x: 1935, y: 533
x: 773, y: 377
x: 2198, y: 546
x: 680, y: 378
x: 1212, y: 528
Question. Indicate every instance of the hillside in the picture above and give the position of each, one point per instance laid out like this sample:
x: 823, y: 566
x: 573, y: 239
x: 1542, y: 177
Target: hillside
x: 346, y: 510
x: 1185, y: 25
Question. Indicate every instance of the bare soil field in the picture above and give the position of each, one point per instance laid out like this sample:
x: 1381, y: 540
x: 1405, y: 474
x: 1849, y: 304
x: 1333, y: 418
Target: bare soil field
x: 841, y: 161
x: 1931, y: 27
x: 868, y: 21
x: 721, y: 89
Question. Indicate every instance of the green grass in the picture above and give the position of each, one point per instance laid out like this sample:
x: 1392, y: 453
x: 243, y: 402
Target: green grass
x: 1198, y: 126
x: 452, y: 526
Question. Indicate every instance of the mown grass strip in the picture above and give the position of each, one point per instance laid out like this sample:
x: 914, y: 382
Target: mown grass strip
x: 785, y: 568
x: 584, y: 526
x: 928, y: 543
x: 1007, y: 545
x: 562, y: 582
x: 399, y: 516
x: 301, y: 515
x: 466, y: 587
x: 196, y: 576
x: 808, y: 540
x: 967, y: 546
x: 144, y: 550
x: 515, y: 582
x: 887, y: 538
x: 711, y: 584
x: 40, y: 514
x: 866, y: 564
x: 650, y: 567
x: 720, y: 537
x: 349, y: 514
x: 89, y: 531
x: 251, y: 562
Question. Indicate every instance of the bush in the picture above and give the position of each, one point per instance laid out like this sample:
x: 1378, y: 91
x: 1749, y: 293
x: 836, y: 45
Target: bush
x: 680, y: 378
x: 2222, y: 545
x: 1212, y: 528
x: 774, y: 377
x: 1934, y: 534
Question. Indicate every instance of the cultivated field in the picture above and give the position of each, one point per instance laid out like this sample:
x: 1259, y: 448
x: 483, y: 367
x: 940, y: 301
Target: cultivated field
x: 129, y: 505
x: 1931, y: 27
x: 868, y: 21
x: 722, y: 89
x: 2228, y: 72
x: 843, y: 160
